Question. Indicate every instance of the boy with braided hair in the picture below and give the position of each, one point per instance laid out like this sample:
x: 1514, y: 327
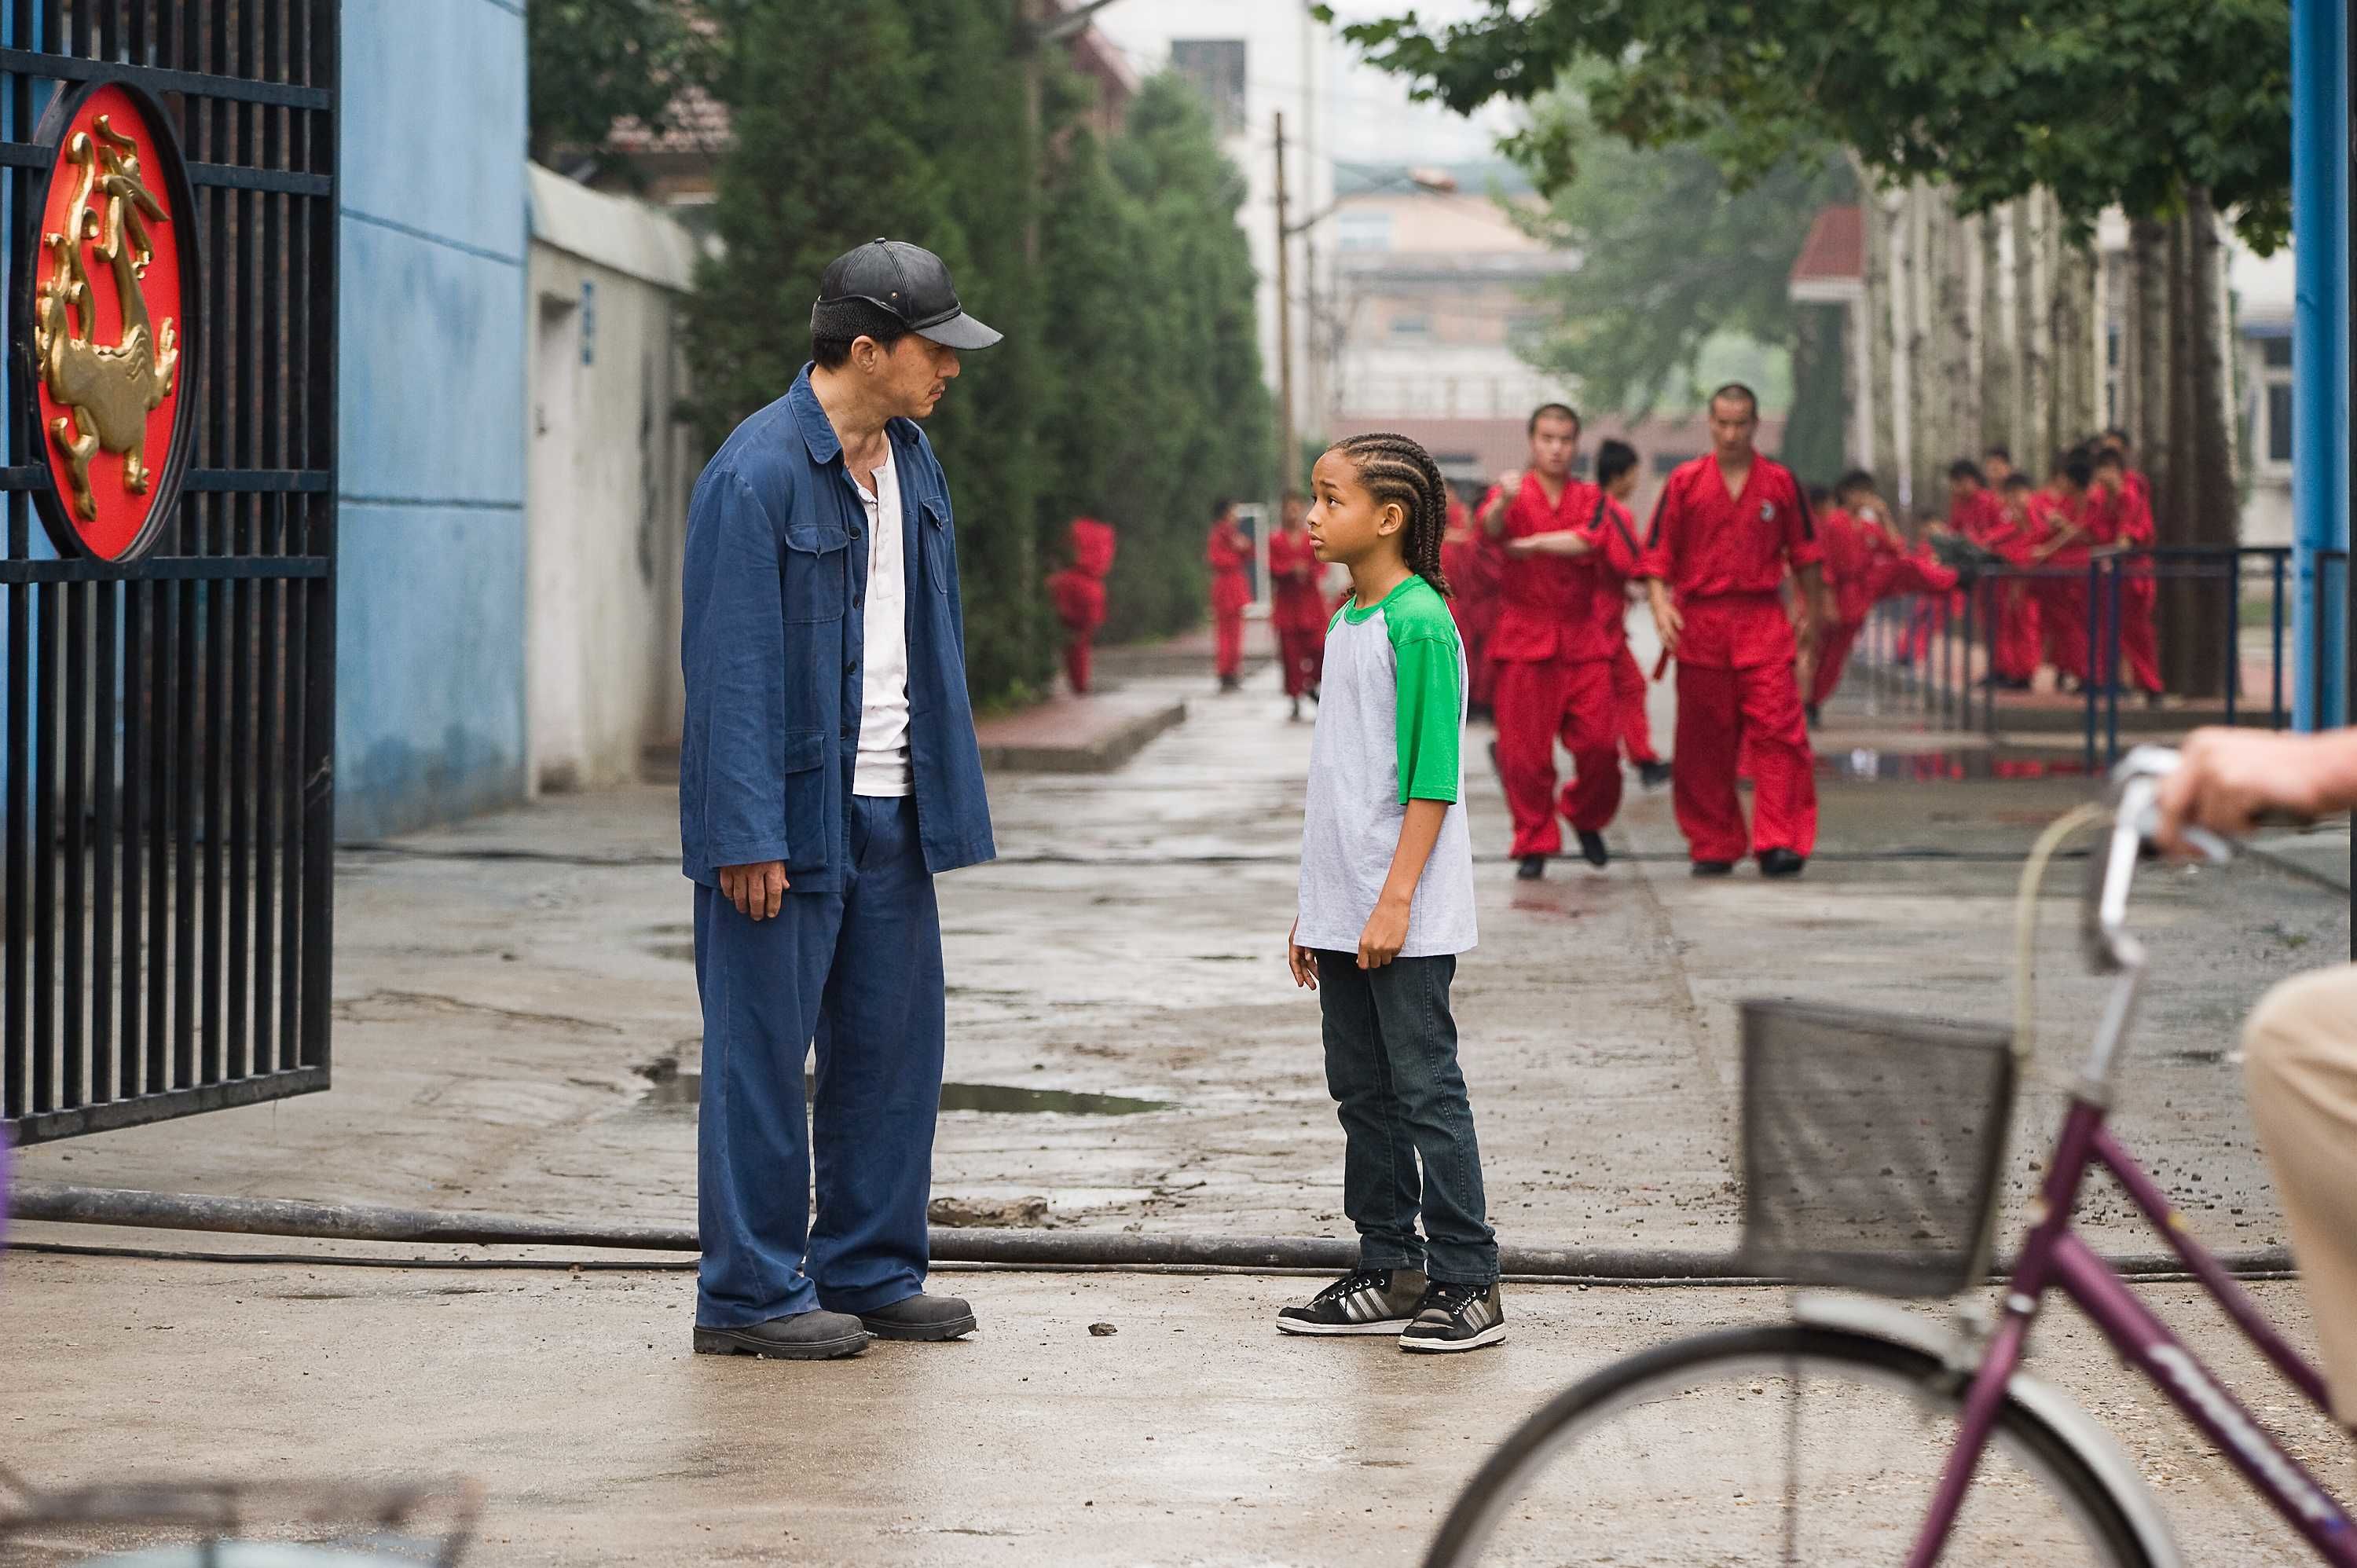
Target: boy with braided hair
x: 1386, y: 905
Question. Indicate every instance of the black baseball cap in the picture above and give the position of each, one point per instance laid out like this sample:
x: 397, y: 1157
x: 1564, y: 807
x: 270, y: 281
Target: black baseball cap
x: 904, y: 281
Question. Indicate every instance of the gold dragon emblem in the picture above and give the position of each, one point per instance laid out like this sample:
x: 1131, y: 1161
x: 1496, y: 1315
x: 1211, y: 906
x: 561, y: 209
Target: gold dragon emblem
x: 109, y: 388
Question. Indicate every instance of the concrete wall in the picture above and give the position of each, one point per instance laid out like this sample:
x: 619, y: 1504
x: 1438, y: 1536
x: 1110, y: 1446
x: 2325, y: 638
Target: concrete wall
x: 609, y: 474
x: 430, y: 604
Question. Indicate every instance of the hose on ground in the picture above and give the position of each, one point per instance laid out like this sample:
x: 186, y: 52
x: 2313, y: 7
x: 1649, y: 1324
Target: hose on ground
x: 1029, y: 1250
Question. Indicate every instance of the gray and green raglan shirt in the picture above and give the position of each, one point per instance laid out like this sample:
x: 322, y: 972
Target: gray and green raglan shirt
x: 1391, y: 709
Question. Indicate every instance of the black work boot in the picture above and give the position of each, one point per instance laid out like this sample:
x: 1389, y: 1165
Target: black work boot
x: 1714, y: 868
x: 1591, y: 848
x: 920, y: 1316
x: 1530, y: 869
x: 1781, y: 863
x: 802, y: 1336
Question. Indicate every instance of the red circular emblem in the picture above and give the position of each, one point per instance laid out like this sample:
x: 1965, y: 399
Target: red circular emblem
x: 109, y: 319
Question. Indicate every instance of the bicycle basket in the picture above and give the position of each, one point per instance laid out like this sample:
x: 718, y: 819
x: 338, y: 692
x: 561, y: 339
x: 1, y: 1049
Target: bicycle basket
x: 1872, y: 1144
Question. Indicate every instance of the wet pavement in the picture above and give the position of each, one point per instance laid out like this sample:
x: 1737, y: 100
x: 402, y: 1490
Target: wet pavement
x: 516, y: 1030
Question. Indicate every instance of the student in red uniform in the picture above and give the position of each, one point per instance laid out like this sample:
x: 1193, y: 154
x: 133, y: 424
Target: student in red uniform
x: 1616, y: 471
x: 2017, y: 653
x: 2124, y: 522
x: 1078, y: 592
x: 1724, y: 531
x: 1470, y: 561
x: 1298, y: 608
x: 1853, y: 550
x: 1229, y: 552
x: 1977, y: 514
x: 2063, y: 553
x: 1555, y: 665
x: 2116, y: 440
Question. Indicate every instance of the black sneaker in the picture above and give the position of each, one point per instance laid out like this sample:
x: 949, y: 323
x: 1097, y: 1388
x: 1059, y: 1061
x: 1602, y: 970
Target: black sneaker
x: 1653, y: 775
x: 1592, y: 850
x: 1370, y: 1301
x: 1530, y: 869
x: 1782, y: 863
x: 1456, y: 1318
x: 1714, y: 868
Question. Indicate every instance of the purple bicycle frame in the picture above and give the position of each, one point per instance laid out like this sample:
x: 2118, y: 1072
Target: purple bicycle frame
x: 2055, y: 1258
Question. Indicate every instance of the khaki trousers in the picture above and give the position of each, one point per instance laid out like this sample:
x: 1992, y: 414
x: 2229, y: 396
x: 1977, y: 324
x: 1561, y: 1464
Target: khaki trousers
x: 2300, y: 1060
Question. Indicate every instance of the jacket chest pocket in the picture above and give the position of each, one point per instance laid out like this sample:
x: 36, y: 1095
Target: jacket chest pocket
x: 939, y: 546
x: 817, y: 572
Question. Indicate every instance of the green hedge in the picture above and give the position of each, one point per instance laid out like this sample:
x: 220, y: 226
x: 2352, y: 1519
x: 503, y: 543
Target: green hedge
x: 1129, y: 387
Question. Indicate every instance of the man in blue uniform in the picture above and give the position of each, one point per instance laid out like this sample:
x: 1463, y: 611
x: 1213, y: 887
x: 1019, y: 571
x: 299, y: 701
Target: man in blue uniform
x: 828, y: 771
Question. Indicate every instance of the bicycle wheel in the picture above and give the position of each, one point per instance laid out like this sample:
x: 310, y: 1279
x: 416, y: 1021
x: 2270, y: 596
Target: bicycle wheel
x: 1788, y: 1443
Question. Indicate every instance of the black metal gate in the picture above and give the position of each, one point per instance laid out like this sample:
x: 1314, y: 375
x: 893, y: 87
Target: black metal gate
x: 169, y: 721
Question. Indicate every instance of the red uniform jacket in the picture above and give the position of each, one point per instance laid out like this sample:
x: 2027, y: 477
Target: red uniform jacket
x: 1292, y: 573
x: 1724, y: 558
x: 1471, y: 562
x: 1546, y: 604
x: 1078, y: 591
x: 1853, y: 552
x: 1979, y: 517
x: 1620, y: 559
x: 1229, y: 552
x: 2059, y: 513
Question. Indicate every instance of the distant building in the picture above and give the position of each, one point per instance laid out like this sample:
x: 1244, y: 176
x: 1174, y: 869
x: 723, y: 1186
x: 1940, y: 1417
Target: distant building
x: 1436, y: 292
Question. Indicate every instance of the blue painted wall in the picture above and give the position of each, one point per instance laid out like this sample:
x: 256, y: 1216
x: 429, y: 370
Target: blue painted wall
x: 430, y: 598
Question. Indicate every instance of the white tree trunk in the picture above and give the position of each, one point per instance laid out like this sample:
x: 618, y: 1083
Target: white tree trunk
x: 2030, y: 317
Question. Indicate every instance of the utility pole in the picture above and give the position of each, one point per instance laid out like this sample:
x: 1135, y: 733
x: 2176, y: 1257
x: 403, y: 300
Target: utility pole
x: 1285, y: 453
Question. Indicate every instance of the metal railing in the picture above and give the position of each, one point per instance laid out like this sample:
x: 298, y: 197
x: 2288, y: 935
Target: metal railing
x: 1932, y: 655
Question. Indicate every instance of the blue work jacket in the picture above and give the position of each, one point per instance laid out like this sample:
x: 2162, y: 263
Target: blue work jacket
x: 771, y: 638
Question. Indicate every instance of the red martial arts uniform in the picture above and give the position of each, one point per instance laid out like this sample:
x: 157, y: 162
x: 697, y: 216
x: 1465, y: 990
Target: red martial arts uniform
x: 1554, y: 671
x: 1298, y: 610
x: 2013, y: 651
x: 1723, y: 558
x: 1077, y: 593
x: 1471, y: 564
x: 1620, y: 561
x: 2062, y: 599
x: 2126, y: 519
x: 1229, y: 552
x: 1853, y: 550
x: 2004, y: 612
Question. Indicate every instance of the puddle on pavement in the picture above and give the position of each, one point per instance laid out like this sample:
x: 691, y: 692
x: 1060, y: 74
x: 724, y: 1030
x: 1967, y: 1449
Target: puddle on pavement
x: 1870, y: 765
x: 672, y: 1088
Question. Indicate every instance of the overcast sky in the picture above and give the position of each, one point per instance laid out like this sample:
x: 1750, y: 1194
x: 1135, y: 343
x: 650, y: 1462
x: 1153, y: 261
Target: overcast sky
x: 1372, y: 118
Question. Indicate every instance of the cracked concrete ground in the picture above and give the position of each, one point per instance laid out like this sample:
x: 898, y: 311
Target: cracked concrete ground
x: 507, y: 992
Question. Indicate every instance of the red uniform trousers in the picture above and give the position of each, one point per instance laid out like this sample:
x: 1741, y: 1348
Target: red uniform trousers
x: 1538, y: 700
x: 1834, y: 642
x: 2063, y: 617
x: 1743, y: 701
x: 2014, y: 652
x: 1303, y: 651
x: 2139, y: 592
x: 1636, y: 726
x: 1229, y: 594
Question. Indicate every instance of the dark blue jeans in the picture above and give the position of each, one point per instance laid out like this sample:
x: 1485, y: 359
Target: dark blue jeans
x: 858, y: 973
x: 1391, y: 1065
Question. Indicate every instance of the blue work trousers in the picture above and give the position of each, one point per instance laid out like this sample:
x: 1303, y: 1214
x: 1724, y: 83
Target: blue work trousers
x: 857, y: 973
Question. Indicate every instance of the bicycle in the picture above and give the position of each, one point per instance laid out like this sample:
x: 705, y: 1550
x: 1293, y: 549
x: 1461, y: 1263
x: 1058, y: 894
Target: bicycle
x: 1873, y: 1150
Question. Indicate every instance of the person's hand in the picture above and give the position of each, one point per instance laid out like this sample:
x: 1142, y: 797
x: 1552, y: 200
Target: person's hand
x: 2227, y: 779
x: 1300, y: 960
x: 1669, y: 624
x: 1510, y: 483
x: 1386, y: 933
x: 758, y: 891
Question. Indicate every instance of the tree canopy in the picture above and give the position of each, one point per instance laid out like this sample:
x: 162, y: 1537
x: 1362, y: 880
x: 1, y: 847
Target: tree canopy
x: 593, y: 63
x: 1129, y: 385
x: 1672, y: 254
x: 2100, y: 101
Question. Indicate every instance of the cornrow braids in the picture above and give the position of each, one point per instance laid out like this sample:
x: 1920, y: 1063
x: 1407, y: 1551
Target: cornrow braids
x: 1394, y: 469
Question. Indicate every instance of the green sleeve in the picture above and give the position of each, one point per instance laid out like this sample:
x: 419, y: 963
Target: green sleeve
x: 1431, y: 710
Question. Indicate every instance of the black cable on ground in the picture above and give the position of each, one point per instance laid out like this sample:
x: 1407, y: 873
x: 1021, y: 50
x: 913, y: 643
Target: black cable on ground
x: 1199, y: 1270
x: 1028, y: 1250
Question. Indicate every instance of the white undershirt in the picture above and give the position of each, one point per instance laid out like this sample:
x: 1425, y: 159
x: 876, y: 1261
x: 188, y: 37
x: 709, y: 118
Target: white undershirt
x: 882, y: 767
